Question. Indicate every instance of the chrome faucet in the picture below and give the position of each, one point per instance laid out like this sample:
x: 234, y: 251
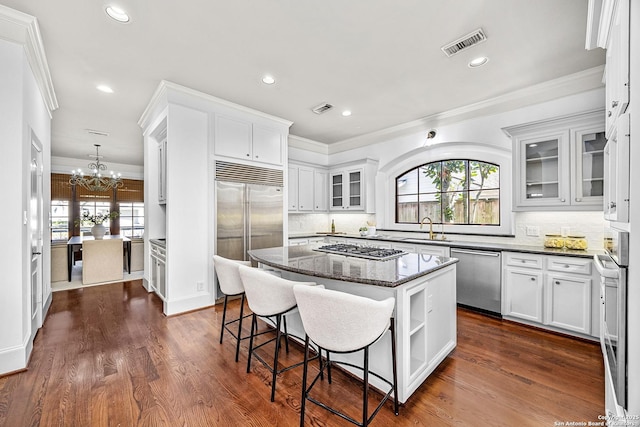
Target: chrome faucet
x: 430, y: 226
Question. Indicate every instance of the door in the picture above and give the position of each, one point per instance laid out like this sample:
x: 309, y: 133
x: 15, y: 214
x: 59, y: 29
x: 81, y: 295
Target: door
x: 265, y: 217
x: 230, y: 222
x: 35, y: 230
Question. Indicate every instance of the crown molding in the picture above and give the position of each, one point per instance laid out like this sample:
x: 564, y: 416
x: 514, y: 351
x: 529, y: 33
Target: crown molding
x: 168, y: 91
x: 23, y: 29
x: 308, y: 144
x: 572, y: 84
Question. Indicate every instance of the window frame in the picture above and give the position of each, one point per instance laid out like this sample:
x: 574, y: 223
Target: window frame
x: 465, y: 190
x: 124, y: 228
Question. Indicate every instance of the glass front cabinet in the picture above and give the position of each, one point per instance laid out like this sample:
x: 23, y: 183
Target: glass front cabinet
x: 346, y: 189
x: 559, y: 163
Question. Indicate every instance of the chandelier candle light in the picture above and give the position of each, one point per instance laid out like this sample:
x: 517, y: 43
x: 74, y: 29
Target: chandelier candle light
x: 96, y: 182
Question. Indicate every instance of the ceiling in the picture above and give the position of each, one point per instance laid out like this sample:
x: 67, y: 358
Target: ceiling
x: 380, y: 59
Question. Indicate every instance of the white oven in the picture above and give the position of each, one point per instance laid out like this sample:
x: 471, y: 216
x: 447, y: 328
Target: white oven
x: 613, y: 318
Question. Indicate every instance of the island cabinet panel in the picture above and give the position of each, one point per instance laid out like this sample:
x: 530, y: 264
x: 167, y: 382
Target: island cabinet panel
x: 425, y: 306
x: 429, y: 327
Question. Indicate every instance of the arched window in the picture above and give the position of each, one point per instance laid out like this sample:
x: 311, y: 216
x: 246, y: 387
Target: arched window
x: 450, y: 192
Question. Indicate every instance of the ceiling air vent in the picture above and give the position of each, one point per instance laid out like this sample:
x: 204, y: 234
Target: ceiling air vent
x: 319, y: 109
x: 478, y: 36
x: 97, y: 132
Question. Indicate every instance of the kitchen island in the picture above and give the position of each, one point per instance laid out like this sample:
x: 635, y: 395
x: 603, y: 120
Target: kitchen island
x: 424, y: 287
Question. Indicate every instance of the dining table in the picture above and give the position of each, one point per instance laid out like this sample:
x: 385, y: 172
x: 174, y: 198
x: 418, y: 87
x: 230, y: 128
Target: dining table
x: 75, y: 242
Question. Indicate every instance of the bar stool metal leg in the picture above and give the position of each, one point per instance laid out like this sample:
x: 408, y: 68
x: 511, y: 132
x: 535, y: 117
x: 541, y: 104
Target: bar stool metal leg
x: 239, y: 337
x: 224, y: 317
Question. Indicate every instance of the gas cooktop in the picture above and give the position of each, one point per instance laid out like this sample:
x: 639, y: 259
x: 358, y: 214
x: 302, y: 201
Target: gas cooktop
x: 367, y: 252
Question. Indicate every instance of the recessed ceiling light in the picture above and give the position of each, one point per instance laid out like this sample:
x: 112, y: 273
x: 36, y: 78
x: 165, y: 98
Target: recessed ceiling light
x: 268, y: 80
x: 478, y: 62
x: 116, y: 13
x: 104, y: 88
x: 346, y: 113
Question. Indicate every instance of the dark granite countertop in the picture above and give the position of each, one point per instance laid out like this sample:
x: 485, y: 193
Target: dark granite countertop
x: 304, y: 259
x: 510, y: 247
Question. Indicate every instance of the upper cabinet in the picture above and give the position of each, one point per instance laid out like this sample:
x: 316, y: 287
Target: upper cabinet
x: 242, y: 139
x: 613, y: 35
x: 308, y: 188
x: 559, y: 163
x: 351, y: 186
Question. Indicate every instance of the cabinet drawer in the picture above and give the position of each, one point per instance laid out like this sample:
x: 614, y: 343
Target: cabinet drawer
x: 523, y: 260
x: 569, y: 265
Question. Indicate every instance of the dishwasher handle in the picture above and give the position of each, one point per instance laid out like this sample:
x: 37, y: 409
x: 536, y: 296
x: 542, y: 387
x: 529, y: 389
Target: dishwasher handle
x: 460, y: 251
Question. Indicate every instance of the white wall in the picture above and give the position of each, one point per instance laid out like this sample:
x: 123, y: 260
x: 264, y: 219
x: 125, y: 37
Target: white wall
x: 482, y: 136
x: 23, y: 111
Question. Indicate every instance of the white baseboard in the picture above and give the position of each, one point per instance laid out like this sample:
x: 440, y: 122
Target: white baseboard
x: 14, y: 358
x: 188, y: 303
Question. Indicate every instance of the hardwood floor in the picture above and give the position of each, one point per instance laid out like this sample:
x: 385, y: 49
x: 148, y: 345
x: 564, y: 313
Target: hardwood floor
x: 106, y: 356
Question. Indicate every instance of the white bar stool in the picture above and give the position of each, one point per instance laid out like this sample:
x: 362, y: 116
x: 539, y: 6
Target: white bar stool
x: 338, y: 322
x: 269, y: 297
x: 231, y: 285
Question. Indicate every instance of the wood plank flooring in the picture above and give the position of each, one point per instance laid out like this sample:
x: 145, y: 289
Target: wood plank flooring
x: 107, y: 356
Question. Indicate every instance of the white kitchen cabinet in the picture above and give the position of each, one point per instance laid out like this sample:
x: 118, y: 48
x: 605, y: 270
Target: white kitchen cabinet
x: 617, y: 172
x: 241, y: 139
x: 162, y: 171
x: 617, y: 64
x: 559, y: 164
x: 158, y: 267
x: 523, y: 289
x: 442, y: 251
x: 308, y: 187
x: 568, y: 302
x: 351, y: 186
x: 321, y: 190
x: 554, y: 292
x: 296, y: 241
x: 292, y: 189
x: 346, y: 189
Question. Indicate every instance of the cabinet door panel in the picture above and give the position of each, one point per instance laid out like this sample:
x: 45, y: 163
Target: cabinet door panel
x: 305, y: 189
x: 233, y: 138
x: 523, y: 294
x: 267, y: 145
x: 293, y: 189
x: 569, y: 302
x: 321, y: 191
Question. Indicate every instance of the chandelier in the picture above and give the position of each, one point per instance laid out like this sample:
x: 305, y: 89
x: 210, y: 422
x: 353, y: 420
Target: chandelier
x: 95, y: 181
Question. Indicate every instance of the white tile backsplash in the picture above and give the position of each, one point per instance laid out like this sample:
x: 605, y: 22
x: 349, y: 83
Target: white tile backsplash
x: 588, y: 224
x: 312, y: 223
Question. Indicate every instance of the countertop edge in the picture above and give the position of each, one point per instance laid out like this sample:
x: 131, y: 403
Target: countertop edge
x: 384, y: 284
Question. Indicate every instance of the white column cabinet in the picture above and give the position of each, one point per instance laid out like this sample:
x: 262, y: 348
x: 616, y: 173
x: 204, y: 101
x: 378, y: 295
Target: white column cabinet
x: 305, y: 189
x: 162, y: 171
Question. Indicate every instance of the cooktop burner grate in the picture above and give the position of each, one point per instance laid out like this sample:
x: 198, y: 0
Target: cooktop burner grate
x: 367, y: 252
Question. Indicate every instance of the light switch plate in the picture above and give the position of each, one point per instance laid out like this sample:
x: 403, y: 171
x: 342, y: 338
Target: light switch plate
x: 533, y: 230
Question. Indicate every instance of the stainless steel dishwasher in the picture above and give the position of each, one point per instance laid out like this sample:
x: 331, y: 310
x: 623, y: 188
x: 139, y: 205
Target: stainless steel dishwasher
x: 478, y: 283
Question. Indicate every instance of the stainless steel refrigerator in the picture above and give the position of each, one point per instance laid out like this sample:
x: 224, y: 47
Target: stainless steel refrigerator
x: 248, y: 216
x: 249, y: 205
